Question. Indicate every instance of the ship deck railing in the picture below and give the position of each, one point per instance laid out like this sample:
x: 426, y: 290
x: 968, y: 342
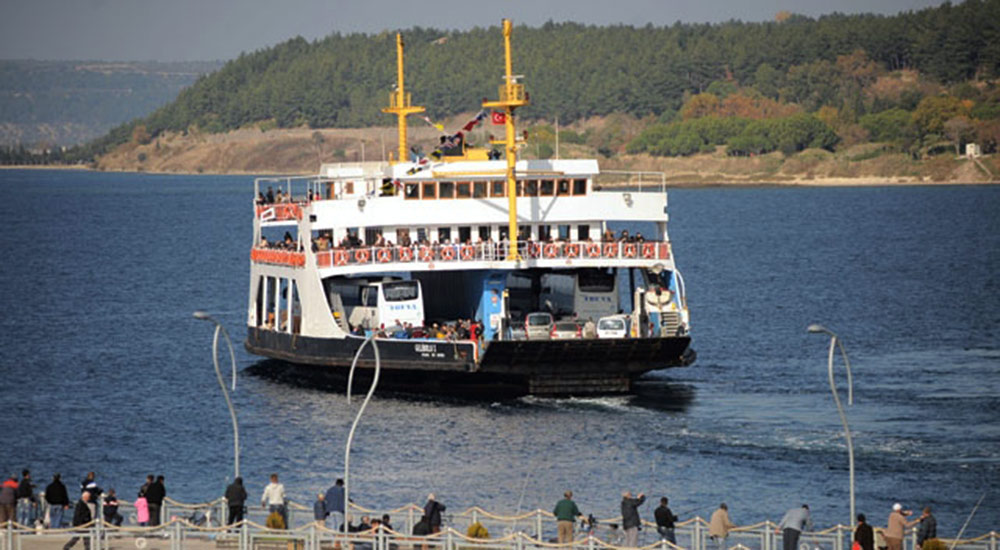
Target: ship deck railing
x: 299, y: 191
x: 205, y: 526
x: 631, y: 181
x: 467, y: 253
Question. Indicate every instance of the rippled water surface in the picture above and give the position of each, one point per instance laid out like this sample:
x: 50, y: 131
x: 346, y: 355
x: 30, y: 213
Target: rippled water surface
x: 104, y: 368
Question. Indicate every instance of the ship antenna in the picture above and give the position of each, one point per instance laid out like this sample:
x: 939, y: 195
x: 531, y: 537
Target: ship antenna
x: 399, y: 101
x: 512, y: 96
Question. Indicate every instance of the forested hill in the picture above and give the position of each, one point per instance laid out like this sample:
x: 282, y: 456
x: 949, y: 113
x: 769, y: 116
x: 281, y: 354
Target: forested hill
x: 575, y: 71
x: 51, y: 103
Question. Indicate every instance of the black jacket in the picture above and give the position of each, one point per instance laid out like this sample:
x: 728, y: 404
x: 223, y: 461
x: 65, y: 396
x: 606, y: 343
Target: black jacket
x: 55, y: 494
x: 864, y: 536
x: 664, y: 517
x: 81, y: 514
x: 630, y: 511
x: 927, y: 529
x: 236, y: 494
x: 155, y: 493
x: 432, y: 511
x: 25, y: 489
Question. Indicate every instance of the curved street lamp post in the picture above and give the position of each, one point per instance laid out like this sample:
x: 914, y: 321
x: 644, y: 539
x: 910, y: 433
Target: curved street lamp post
x: 836, y: 343
x: 357, y: 418
x: 218, y: 373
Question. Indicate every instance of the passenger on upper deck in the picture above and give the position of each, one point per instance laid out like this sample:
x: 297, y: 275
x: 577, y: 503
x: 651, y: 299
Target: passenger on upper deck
x: 280, y: 197
x: 263, y: 242
x: 608, y: 236
x: 624, y: 236
x: 270, y: 195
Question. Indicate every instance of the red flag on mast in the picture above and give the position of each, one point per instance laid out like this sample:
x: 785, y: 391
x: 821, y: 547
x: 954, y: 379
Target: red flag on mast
x: 498, y: 118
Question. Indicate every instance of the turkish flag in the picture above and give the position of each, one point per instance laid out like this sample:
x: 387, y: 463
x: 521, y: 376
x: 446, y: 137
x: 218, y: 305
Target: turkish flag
x: 498, y: 118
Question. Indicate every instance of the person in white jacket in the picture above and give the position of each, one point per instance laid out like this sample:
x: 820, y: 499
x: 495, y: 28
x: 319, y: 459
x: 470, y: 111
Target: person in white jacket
x: 274, y: 499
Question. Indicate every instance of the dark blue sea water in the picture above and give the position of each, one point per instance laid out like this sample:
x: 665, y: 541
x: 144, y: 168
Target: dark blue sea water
x: 104, y: 368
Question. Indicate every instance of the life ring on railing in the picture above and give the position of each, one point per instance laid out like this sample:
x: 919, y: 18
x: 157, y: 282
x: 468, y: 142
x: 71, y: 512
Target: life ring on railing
x: 551, y: 251
x: 629, y: 250
x: 448, y: 253
x: 648, y: 251
x: 384, y: 255
x: 426, y: 254
x: 340, y: 257
x: 468, y: 252
x: 534, y: 250
x: 406, y: 254
x: 610, y: 250
x: 572, y: 250
x: 362, y: 255
x: 594, y: 250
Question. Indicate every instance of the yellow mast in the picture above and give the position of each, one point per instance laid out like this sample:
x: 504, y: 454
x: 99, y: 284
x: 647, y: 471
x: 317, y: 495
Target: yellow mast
x: 399, y: 101
x: 512, y: 96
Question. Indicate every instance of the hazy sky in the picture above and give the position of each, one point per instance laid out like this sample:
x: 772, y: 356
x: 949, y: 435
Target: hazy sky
x: 175, y: 30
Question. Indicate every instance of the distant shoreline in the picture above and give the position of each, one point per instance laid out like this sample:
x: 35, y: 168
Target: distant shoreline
x: 793, y: 182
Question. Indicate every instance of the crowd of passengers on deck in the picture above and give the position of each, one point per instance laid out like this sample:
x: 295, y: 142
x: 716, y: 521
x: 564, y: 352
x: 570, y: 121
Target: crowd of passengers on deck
x: 280, y: 197
x: 324, y: 241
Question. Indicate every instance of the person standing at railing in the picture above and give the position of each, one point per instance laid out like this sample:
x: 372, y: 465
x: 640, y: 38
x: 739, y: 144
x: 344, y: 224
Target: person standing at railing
x: 897, y: 525
x: 720, y: 526
x: 928, y: 527
x: 665, y: 519
x: 319, y: 509
x: 8, y: 500
x: 864, y: 536
x: 26, y: 500
x: 274, y: 498
x: 334, y: 500
x: 792, y: 524
x: 82, y: 515
x: 57, y: 498
x: 155, y: 494
x: 566, y: 513
x: 236, y: 496
x: 111, y: 514
x: 630, y: 517
x: 432, y: 511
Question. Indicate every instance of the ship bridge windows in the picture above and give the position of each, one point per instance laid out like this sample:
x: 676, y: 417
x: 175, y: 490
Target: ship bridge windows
x: 444, y: 234
x: 484, y: 232
x: 583, y: 232
x: 493, y: 188
x: 464, y: 234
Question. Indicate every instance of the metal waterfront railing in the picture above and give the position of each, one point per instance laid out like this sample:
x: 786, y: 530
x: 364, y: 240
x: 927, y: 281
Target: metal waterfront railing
x: 203, y: 525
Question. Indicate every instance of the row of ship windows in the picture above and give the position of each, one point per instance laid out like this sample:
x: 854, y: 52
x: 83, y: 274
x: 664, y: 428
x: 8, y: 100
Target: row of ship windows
x: 496, y: 188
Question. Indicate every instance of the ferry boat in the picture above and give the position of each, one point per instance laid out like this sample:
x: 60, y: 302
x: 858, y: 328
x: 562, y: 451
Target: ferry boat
x: 476, y: 273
